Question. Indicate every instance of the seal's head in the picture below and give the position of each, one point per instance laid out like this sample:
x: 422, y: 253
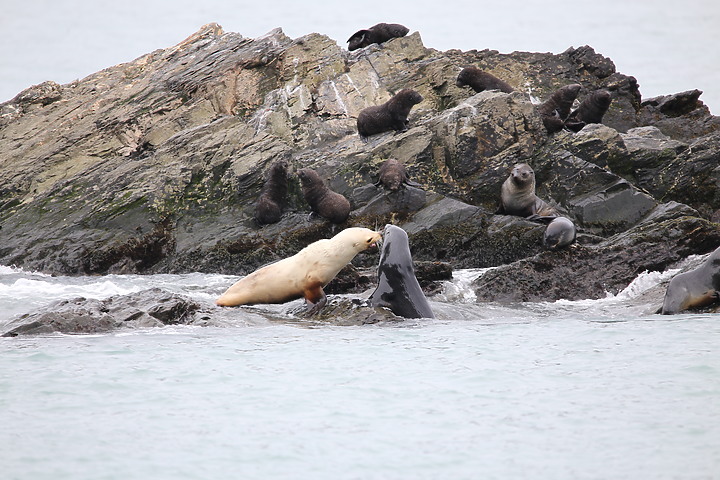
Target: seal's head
x: 522, y: 175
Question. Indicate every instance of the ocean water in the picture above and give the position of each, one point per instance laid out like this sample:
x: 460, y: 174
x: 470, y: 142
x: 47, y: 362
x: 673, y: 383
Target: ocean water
x: 668, y: 46
x: 566, y: 390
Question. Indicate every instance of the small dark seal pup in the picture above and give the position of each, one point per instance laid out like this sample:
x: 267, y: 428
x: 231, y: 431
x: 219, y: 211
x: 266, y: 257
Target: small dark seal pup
x: 382, y: 32
x: 480, y: 81
x: 591, y: 110
x: 696, y: 288
x: 322, y: 200
x: 517, y: 195
x: 559, y: 233
x: 393, y: 175
x: 270, y: 202
x: 556, y: 109
x: 391, y: 115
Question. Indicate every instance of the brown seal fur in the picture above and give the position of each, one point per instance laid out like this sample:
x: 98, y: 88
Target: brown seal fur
x: 556, y: 109
x: 382, y: 32
x: 696, y: 288
x: 302, y: 275
x: 270, y: 202
x: 517, y: 194
x: 393, y: 175
x: 323, y: 201
x: 391, y: 115
x: 591, y: 110
x: 480, y: 81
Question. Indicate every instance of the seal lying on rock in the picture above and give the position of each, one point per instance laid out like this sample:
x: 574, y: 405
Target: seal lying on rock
x: 481, y: 81
x: 696, y: 288
x: 393, y: 175
x: 302, y: 275
x: 556, y: 109
x: 323, y: 201
x: 398, y: 288
x: 517, y: 194
x: 382, y: 32
x: 391, y: 115
x: 559, y: 233
x: 270, y: 202
x: 591, y: 110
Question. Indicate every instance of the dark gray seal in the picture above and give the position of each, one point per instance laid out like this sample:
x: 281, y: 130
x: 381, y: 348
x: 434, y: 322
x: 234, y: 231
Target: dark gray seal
x: 559, y: 233
x: 393, y: 176
x: 480, y: 81
x: 382, y: 32
x: 323, y: 201
x: 517, y: 195
x: 556, y: 109
x: 696, y: 288
x: 591, y: 110
x: 398, y: 288
x: 391, y: 115
x: 271, y: 201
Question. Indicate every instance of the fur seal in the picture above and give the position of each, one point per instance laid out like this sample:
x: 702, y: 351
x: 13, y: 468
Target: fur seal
x: 591, y: 110
x: 398, y: 288
x: 302, y: 275
x: 559, y: 233
x: 382, y: 32
x: 517, y: 194
x: 393, y: 175
x: 480, y: 81
x: 696, y: 288
x: 323, y: 201
x: 391, y: 115
x: 270, y: 202
x: 556, y: 109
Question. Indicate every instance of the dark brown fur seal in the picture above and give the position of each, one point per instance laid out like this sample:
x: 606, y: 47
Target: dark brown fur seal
x: 270, y: 202
x: 591, y: 110
x: 696, y: 288
x: 556, y: 109
x: 517, y: 194
x: 382, y: 32
x: 323, y: 201
x: 393, y: 175
x: 480, y: 81
x: 391, y: 115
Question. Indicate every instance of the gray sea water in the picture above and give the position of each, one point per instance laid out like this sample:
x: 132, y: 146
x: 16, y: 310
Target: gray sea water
x: 567, y: 390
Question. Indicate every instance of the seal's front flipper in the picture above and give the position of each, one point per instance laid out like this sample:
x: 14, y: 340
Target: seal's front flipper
x: 315, y: 299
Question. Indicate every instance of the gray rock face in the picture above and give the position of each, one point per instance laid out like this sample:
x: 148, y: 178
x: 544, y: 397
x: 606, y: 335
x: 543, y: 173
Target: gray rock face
x: 153, y: 166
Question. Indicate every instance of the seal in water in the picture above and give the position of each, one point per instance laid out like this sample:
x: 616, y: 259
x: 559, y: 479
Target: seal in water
x: 591, y: 110
x: 555, y: 110
x: 398, y: 288
x: 559, y: 233
x: 517, y: 194
x: 302, y: 275
x: 382, y: 32
x: 696, y: 288
x: 391, y: 115
x: 323, y: 201
x: 481, y: 81
x: 270, y: 202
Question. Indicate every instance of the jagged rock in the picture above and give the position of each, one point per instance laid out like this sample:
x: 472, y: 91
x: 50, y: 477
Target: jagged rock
x: 681, y: 116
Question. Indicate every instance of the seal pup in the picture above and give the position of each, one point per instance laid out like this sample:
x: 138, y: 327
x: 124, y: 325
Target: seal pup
x: 591, y: 110
x: 270, y: 202
x: 301, y: 275
x: 382, y: 32
x: 480, y: 81
x: 559, y: 233
x: 323, y: 201
x: 398, y: 288
x: 517, y: 195
x: 696, y: 288
x: 393, y: 175
x: 556, y: 109
x: 391, y: 115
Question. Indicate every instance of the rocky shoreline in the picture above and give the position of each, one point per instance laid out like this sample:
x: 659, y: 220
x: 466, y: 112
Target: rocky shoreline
x: 154, y: 166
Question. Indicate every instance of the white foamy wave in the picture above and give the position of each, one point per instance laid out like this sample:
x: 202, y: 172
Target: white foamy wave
x: 459, y: 289
x: 12, y: 270
x: 644, y: 282
x: 55, y: 290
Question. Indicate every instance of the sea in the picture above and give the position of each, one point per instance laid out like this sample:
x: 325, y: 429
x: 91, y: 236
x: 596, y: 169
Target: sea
x: 593, y: 389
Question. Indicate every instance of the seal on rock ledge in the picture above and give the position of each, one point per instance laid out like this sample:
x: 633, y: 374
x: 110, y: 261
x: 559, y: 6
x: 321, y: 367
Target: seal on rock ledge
x: 270, y: 202
x: 480, y: 81
x: 391, y: 115
x: 517, y: 194
x: 323, y: 201
x: 302, y: 275
x: 382, y: 32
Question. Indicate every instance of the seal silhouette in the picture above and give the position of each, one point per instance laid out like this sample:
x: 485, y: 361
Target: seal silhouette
x: 391, y: 115
x: 270, y: 202
x: 696, y: 288
x: 517, y: 194
x: 480, y: 81
x: 323, y: 201
x: 382, y: 32
x: 591, y: 110
x: 398, y: 288
x: 556, y: 109
x: 303, y: 274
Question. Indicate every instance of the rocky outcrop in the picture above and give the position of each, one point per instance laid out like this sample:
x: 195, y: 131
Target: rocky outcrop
x: 153, y: 166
